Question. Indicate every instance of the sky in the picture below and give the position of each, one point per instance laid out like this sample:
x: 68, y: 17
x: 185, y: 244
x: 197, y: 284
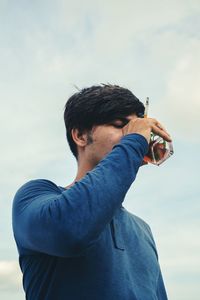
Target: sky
x: 47, y: 49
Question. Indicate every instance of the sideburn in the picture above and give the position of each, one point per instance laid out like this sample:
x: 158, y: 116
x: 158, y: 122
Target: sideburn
x: 89, y: 138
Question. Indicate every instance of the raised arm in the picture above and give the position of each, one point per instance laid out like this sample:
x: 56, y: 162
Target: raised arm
x: 65, y: 224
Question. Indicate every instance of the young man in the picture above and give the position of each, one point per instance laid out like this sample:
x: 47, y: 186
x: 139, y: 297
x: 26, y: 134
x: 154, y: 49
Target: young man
x: 79, y: 242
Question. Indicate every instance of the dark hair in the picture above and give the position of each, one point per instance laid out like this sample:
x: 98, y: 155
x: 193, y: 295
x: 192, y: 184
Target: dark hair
x: 98, y: 105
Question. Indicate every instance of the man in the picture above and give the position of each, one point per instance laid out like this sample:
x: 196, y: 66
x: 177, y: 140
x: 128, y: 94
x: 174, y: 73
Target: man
x: 79, y: 242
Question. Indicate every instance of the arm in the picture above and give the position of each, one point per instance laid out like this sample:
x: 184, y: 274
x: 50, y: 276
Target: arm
x: 65, y: 224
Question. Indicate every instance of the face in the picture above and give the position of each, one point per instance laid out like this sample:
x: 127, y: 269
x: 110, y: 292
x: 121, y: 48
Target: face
x: 103, y: 137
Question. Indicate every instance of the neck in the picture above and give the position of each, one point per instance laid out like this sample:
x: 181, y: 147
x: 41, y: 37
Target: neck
x: 83, y: 167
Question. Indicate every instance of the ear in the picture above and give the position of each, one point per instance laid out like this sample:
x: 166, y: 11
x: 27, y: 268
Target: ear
x: 79, y: 138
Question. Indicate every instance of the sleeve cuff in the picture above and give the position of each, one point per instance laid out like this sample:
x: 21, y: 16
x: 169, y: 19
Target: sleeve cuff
x: 136, y: 138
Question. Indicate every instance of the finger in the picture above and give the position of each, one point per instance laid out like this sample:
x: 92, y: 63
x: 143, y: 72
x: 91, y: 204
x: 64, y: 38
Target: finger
x: 162, y: 133
x: 159, y: 125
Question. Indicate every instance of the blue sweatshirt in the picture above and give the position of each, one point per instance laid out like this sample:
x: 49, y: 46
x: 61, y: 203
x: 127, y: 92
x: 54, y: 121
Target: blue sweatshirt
x: 81, y: 243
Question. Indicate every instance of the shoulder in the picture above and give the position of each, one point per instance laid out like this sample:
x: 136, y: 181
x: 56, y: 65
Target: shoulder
x: 39, y: 185
x: 34, y: 188
x: 137, y: 219
x: 144, y: 226
x: 143, y: 229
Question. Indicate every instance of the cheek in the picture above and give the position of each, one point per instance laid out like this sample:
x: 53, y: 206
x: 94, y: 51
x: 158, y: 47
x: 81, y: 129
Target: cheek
x: 110, y: 140
x: 105, y: 138
x: 115, y: 137
x: 103, y: 142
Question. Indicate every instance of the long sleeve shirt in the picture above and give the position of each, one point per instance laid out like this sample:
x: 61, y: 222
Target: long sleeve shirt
x: 81, y: 243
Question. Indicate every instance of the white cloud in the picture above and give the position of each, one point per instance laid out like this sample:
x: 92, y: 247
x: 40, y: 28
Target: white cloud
x: 10, y: 276
x: 181, y: 104
x: 179, y: 257
x: 150, y: 47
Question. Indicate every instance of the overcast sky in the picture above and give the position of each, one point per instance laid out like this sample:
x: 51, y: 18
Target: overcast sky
x: 150, y: 47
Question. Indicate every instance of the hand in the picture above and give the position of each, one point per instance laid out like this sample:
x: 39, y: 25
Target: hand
x: 145, y: 126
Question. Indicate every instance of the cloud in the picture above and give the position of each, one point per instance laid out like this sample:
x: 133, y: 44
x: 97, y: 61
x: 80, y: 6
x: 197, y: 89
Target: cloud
x: 10, y: 276
x: 181, y: 103
x: 150, y: 47
x: 179, y: 259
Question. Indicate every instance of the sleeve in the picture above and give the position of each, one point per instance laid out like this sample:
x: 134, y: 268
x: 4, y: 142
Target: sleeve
x: 161, y: 291
x: 65, y: 224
